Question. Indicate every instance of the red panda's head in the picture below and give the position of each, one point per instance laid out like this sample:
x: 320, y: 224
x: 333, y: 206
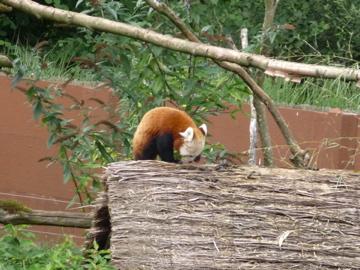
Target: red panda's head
x: 193, y: 142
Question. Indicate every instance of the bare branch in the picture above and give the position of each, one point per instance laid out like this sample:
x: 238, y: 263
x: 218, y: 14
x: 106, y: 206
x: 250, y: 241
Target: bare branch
x: 49, y: 218
x: 265, y: 49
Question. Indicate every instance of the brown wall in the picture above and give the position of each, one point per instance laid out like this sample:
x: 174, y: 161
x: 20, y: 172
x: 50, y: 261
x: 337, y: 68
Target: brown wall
x: 333, y: 136
x: 23, y: 143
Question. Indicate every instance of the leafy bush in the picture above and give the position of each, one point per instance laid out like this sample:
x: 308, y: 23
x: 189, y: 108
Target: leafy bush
x: 316, y: 31
x: 19, y: 251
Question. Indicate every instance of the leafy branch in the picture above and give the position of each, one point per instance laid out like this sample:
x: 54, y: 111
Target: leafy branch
x: 80, y: 149
x: 270, y: 66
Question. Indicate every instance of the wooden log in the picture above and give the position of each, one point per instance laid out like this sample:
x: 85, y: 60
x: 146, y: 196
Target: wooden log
x: 49, y: 218
x: 166, y: 216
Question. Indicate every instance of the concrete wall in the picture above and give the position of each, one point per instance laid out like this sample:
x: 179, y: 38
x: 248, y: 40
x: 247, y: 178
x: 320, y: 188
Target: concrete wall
x: 333, y: 135
x: 24, y: 142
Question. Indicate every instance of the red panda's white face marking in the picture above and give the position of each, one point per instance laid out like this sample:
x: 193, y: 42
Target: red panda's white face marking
x: 188, y: 134
x: 192, y: 146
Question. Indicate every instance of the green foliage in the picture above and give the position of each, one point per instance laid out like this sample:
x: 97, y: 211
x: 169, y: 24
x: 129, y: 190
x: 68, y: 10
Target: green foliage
x: 323, y: 28
x: 303, y: 29
x: 215, y: 153
x: 310, y: 31
x: 82, y: 148
x: 18, y: 250
x: 54, y: 64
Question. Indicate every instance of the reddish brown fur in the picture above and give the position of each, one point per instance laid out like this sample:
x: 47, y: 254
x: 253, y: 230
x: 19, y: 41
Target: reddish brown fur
x: 162, y: 120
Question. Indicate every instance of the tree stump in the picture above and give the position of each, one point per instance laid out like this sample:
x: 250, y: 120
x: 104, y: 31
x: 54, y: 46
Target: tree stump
x: 168, y: 216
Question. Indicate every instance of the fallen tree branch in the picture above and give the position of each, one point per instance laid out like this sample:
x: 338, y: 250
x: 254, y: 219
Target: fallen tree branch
x: 272, y: 66
x: 49, y: 218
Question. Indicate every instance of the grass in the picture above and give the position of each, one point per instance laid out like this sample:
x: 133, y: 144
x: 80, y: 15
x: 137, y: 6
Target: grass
x: 317, y: 93
x: 48, y: 66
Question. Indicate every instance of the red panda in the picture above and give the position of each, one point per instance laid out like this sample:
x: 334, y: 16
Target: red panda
x: 163, y: 130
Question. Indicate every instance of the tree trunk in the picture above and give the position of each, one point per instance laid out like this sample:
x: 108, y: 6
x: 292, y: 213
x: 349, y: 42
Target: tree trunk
x: 263, y: 129
x: 265, y: 49
x: 166, y: 216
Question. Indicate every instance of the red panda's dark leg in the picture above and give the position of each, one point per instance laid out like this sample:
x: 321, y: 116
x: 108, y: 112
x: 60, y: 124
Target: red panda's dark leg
x: 149, y: 151
x: 165, y: 148
x: 197, y: 158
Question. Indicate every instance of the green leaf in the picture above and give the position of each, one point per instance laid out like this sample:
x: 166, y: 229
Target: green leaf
x: 103, y: 152
x: 67, y: 172
x: 126, y: 64
x: 78, y: 3
x: 31, y: 93
x: 157, y: 85
x: 157, y: 51
x: 112, y: 12
x: 52, y: 138
x: 37, y: 109
x: 206, y: 28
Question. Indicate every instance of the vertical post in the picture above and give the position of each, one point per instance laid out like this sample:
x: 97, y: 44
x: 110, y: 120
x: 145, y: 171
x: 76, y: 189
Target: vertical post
x: 253, y: 122
x: 244, y: 38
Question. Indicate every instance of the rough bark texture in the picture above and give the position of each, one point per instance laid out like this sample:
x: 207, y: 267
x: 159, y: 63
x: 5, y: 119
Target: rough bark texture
x: 263, y: 129
x: 101, y: 224
x: 265, y: 49
x: 222, y: 54
x: 167, y: 216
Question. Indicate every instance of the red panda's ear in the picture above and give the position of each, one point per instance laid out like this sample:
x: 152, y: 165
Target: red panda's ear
x: 188, y: 134
x: 203, y: 129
